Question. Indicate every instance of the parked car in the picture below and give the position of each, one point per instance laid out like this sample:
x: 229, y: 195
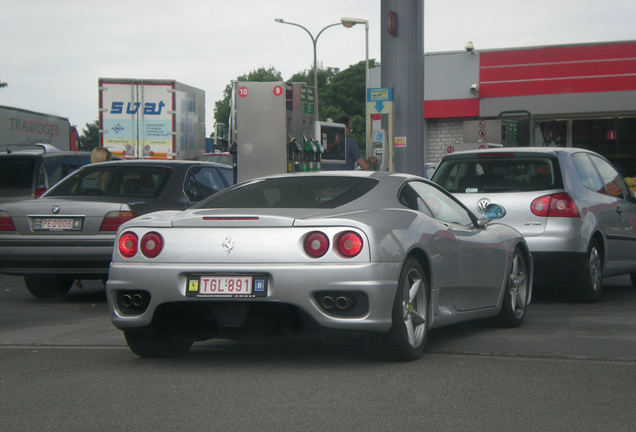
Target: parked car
x: 357, y: 253
x: 575, y: 210
x: 222, y: 158
x: 27, y: 174
x: 68, y: 233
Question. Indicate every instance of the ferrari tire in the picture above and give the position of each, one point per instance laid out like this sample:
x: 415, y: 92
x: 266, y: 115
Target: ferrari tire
x: 48, y: 286
x: 515, y: 299
x: 150, y: 345
x: 588, y: 286
x: 407, y: 337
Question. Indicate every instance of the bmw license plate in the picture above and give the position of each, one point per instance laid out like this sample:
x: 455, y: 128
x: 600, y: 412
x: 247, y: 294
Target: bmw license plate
x: 234, y: 286
x: 57, y: 224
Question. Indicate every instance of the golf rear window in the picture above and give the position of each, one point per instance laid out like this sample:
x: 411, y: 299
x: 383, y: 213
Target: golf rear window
x: 498, y: 173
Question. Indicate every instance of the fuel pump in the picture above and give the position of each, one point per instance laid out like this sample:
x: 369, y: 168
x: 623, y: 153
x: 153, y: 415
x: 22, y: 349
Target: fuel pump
x: 309, y: 155
x: 319, y: 151
x: 294, y: 154
x: 379, y: 147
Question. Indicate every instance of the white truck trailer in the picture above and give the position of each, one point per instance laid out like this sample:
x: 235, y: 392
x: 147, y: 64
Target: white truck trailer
x: 24, y: 128
x: 151, y: 119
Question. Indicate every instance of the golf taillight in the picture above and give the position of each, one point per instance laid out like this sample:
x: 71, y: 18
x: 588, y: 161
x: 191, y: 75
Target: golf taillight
x: 128, y: 244
x: 348, y: 244
x: 6, y: 223
x: 316, y: 244
x: 151, y: 244
x: 114, y: 219
x: 556, y: 205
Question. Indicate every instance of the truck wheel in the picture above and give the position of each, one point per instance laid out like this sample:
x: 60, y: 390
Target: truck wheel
x: 48, y: 286
x: 155, y: 346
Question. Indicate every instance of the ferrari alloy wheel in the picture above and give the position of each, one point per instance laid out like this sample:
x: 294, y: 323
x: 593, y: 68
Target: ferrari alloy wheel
x: 414, y: 305
x: 407, y: 337
x: 588, y: 287
x: 515, y: 300
x: 155, y: 345
x: 48, y: 286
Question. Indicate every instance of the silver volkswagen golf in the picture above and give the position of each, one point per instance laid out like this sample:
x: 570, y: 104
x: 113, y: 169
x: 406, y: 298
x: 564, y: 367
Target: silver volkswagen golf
x: 572, y: 206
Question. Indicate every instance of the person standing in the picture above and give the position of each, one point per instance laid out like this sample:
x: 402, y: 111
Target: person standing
x: 352, y: 151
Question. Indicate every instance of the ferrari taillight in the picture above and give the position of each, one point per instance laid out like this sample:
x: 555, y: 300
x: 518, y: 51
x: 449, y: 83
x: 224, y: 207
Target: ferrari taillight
x: 348, y: 244
x: 151, y: 244
x: 556, y: 205
x: 316, y: 244
x: 6, y: 223
x: 127, y: 244
x: 113, y: 219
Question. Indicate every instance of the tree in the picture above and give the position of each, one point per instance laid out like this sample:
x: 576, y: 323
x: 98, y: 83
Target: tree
x: 3, y: 84
x: 345, y: 95
x: 222, y: 107
x: 346, y: 91
x: 307, y: 76
x: 90, y: 136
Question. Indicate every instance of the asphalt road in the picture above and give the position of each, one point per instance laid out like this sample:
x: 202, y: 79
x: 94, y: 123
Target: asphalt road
x: 570, y: 367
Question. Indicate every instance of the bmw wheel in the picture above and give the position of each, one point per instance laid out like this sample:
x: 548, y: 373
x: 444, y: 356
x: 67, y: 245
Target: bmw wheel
x: 152, y: 345
x: 590, y: 283
x: 48, y: 286
x: 515, y: 300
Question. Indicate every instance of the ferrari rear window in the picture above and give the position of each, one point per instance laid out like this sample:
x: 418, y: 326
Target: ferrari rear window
x: 292, y: 192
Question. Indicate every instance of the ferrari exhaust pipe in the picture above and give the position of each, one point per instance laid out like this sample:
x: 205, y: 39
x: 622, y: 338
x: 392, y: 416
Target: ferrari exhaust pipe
x: 327, y: 302
x: 343, y: 302
x: 133, y: 301
x: 137, y: 300
x: 127, y: 300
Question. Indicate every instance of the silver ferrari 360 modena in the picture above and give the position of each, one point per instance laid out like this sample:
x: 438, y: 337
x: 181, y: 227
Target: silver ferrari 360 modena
x: 376, y: 257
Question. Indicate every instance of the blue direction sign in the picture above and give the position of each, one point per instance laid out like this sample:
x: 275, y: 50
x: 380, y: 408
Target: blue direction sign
x: 380, y: 100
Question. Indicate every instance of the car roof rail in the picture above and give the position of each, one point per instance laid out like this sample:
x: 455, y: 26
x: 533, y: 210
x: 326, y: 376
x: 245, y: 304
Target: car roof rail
x: 47, y: 148
x: 43, y: 147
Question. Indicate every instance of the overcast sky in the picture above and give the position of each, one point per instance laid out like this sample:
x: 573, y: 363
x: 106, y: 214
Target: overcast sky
x: 53, y: 52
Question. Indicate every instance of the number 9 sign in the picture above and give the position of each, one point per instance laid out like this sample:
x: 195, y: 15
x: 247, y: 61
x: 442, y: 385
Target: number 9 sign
x: 278, y: 91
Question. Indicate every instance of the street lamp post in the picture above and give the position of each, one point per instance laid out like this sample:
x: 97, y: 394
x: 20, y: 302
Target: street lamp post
x: 314, y: 41
x: 350, y: 22
x: 346, y: 22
